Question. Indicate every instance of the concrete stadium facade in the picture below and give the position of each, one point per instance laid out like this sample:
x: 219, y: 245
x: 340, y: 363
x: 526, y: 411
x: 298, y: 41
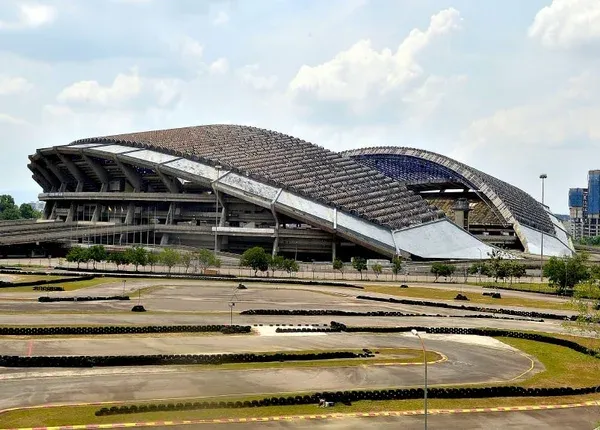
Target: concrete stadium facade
x: 233, y: 187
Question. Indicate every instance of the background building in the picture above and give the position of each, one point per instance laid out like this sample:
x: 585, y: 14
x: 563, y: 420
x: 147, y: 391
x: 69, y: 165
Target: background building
x: 584, y: 208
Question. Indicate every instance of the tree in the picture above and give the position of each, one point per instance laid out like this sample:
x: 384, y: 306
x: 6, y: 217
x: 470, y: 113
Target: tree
x: 479, y: 268
x: 152, y: 259
x: 169, y: 257
x: 515, y: 269
x: 137, y: 255
x: 359, y: 265
x: 255, y: 258
x: 186, y: 259
x: 339, y: 265
x: 78, y: 255
x: 6, y: 202
x: 442, y: 269
x: 290, y: 266
x: 118, y: 258
x: 396, y: 265
x: 10, y: 213
x: 28, y: 212
x: 206, y: 259
x: 586, y: 300
x: 377, y: 269
x: 276, y: 263
x: 97, y: 253
x: 564, y: 273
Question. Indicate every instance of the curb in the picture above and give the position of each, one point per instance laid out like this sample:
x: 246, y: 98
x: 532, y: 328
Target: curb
x: 317, y: 417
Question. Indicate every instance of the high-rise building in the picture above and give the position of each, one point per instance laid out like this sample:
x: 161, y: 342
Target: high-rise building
x: 584, y: 208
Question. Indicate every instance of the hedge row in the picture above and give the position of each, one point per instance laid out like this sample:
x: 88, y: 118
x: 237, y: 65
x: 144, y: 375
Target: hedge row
x: 157, y: 360
x: 45, y: 281
x: 48, y: 289
x: 98, y: 330
x: 335, y: 312
x: 347, y: 397
x: 528, y: 314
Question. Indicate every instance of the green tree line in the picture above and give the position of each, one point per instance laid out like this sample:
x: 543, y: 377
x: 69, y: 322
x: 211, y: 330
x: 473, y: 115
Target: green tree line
x: 10, y: 211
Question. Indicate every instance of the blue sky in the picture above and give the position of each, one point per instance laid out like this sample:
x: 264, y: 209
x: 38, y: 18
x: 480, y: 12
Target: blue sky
x: 507, y: 86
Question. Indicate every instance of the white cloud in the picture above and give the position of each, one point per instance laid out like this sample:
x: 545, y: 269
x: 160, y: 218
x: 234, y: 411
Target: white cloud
x: 30, y: 15
x: 123, y: 88
x: 248, y: 75
x: 9, y: 119
x: 190, y: 48
x: 567, y: 23
x: 13, y: 85
x: 425, y: 100
x: 564, y: 116
x: 358, y: 72
x: 219, y: 67
x: 222, y: 18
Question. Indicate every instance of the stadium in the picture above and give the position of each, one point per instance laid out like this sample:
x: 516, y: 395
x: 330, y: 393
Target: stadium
x: 231, y: 187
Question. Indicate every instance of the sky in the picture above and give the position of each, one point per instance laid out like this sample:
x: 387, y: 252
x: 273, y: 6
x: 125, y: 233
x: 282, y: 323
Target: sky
x: 505, y: 86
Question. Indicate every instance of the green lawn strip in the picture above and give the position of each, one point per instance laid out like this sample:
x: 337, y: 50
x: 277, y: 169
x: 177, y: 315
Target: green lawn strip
x: 517, y: 286
x: 563, y: 366
x: 443, y: 294
x: 68, y: 286
x: 79, y: 415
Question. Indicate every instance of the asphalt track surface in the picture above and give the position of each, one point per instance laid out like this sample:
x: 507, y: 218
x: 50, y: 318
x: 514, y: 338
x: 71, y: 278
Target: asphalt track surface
x: 466, y: 362
x: 571, y: 419
x: 197, y: 302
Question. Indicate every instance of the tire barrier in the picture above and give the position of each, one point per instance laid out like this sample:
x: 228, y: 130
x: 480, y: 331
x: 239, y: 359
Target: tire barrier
x: 47, y: 299
x: 461, y: 297
x: 527, y: 314
x: 347, y: 397
x: 493, y: 295
x: 162, y: 360
x: 101, y: 330
x: 242, y: 287
x: 48, y: 289
x: 70, y: 278
x: 403, y: 286
x: 334, y: 312
x: 473, y: 331
x: 138, y: 308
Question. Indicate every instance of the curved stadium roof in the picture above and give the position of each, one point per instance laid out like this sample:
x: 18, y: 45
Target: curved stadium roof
x: 291, y: 163
x: 414, y: 166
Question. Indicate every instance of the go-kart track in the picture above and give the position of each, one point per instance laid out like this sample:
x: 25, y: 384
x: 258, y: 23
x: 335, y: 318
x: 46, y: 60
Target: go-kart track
x: 465, y: 359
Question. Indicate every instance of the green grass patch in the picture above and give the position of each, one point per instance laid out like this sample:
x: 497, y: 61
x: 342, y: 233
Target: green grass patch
x: 476, y: 298
x: 70, y: 286
x: 563, y: 366
x: 529, y: 287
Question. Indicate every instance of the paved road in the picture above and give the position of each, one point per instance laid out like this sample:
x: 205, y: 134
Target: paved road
x: 572, y: 419
x: 466, y: 362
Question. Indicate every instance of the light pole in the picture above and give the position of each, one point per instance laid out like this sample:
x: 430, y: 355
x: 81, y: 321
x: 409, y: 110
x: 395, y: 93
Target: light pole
x: 542, y: 177
x: 231, y: 305
x: 416, y: 333
x: 218, y: 167
x: 124, y: 286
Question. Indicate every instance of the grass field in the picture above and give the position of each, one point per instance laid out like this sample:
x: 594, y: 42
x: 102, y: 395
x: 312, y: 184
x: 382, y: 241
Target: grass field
x: 517, y: 286
x: 562, y: 367
x: 70, y: 286
x: 475, y: 298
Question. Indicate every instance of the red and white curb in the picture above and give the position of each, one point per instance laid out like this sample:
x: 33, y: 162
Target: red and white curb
x: 316, y: 417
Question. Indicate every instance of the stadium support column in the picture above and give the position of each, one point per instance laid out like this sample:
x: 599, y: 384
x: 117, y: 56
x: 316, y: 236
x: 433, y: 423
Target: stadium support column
x: 132, y: 176
x: 333, y: 248
x: 164, y: 240
x: 276, y: 218
x: 128, y: 221
x: 75, y: 171
x: 99, y: 171
x: 172, y: 184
